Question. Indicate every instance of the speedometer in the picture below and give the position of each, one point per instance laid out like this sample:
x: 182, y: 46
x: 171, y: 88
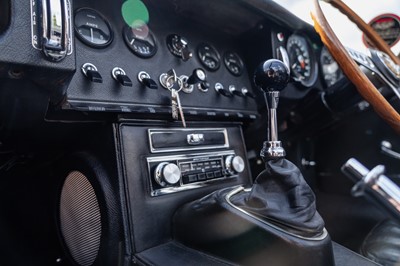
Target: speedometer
x: 302, y: 60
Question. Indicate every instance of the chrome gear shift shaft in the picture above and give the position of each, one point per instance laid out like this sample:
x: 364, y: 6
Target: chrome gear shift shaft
x: 271, y: 77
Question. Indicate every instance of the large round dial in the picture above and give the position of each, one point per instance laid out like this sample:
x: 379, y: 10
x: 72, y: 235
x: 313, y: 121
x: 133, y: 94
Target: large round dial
x: 208, y: 56
x: 330, y: 68
x: 140, y: 41
x: 92, y: 28
x: 167, y: 174
x: 302, y: 61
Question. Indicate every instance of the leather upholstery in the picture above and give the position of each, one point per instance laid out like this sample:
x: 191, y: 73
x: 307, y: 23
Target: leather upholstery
x: 382, y: 244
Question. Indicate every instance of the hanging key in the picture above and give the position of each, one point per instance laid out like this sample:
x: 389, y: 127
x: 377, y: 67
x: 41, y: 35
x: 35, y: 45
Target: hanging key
x: 180, y: 110
x: 174, y: 88
x: 176, y: 107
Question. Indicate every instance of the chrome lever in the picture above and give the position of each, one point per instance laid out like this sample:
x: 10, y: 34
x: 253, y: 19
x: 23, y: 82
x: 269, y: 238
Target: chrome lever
x: 386, y: 148
x: 52, y: 28
x: 374, y: 184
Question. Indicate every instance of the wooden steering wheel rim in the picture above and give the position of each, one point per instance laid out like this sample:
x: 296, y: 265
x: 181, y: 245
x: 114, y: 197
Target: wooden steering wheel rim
x: 364, y: 86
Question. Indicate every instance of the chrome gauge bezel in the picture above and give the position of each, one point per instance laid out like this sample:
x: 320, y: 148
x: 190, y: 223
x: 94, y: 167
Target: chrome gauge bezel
x: 338, y: 71
x: 298, y: 39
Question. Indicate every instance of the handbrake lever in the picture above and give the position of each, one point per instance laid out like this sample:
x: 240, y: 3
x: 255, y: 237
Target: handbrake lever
x: 375, y: 185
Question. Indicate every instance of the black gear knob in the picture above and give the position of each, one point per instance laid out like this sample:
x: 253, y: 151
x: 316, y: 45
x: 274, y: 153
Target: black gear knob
x: 272, y: 75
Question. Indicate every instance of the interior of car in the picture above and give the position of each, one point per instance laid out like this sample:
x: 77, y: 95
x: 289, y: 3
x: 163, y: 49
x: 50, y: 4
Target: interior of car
x: 183, y: 132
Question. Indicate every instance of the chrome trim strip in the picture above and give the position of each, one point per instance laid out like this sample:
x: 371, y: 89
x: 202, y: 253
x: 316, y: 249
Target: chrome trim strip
x: 153, y: 131
x: 155, y: 105
x: 239, y: 189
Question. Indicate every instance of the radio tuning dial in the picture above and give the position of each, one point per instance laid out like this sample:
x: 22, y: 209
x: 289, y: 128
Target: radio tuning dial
x: 234, y: 164
x: 167, y: 174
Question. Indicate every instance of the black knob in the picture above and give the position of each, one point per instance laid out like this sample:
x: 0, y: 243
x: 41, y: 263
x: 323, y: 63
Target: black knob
x: 198, y: 75
x: 272, y: 75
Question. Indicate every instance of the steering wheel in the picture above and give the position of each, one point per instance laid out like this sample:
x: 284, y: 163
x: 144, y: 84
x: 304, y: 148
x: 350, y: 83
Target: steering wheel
x: 364, y: 86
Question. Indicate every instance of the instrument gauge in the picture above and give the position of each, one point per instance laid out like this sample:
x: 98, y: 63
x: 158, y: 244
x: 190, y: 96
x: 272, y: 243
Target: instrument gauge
x: 92, y: 28
x: 330, y: 68
x: 140, y: 40
x: 208, y: 56
x: 302, y: 61
x: 233, y: 63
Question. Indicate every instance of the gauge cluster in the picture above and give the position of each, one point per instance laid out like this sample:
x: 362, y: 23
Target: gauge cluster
x: 130, y: 63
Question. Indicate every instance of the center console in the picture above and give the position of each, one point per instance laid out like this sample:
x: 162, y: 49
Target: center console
x: 161, y: 175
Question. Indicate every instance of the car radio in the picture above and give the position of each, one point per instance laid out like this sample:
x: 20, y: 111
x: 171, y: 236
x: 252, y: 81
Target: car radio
x: 199, y: 156
x: 169, y: 174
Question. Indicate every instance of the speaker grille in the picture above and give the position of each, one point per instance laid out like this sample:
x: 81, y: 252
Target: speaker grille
x: 80, y: 218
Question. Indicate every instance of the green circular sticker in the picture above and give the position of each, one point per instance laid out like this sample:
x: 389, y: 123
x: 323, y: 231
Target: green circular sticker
x: 135, y: 13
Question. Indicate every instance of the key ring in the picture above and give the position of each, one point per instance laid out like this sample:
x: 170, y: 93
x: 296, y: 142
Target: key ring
x: 170, y: 83
x: 167, y: 80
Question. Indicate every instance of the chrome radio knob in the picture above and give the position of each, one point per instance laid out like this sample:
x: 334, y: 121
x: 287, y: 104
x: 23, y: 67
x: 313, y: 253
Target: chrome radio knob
x: 167, y: 174
x: 234, y: 164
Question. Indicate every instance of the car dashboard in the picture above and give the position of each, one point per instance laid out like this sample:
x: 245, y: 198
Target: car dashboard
x: 117, y: 113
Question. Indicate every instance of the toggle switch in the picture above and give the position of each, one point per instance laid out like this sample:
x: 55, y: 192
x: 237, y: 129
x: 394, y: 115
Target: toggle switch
x: 119, y: 75
x: 247, y: 93
x: 145, y: 79
x: 235, y: 91
x: 203, y: 86
x: 220, y: 89
x: 90, y: 71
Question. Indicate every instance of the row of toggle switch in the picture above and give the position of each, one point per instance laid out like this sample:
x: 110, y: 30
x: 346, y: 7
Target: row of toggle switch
x: 198, y: 76
x: 118, y: 74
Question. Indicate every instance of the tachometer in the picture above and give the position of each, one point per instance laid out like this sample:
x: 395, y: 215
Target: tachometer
x: 330, y: 68
x: 302, y: 61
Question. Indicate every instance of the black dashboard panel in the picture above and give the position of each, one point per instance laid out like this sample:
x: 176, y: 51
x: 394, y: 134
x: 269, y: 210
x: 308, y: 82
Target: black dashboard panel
x: 111, y: 96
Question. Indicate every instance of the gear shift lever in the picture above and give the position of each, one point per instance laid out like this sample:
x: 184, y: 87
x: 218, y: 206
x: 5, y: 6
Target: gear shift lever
x: 271, y: 77
x: 279, y: 194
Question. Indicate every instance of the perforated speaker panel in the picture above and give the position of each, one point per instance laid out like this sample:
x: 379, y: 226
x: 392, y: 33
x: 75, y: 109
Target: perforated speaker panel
x: 80, y: 218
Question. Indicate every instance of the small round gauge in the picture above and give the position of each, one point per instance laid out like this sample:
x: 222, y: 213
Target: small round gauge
x: 140, y: 41
x: 233, y: 63
x: 302, y: 61
x: 209, y: 56
x: 92, y: 28
x: 330, y: 68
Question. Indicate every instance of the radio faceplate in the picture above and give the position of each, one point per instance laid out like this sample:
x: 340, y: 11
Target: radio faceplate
x: 194, y: 171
